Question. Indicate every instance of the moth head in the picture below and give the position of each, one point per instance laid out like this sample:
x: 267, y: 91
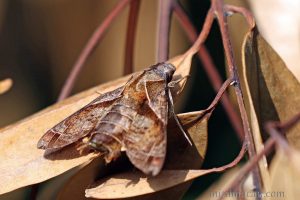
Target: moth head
x: 165, y: 69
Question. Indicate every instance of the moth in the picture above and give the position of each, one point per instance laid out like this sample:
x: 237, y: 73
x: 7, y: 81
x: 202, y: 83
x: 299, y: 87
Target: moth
x: 133, y: 117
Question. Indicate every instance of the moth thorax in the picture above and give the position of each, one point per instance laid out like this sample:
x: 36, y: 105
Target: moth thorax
x: 167, y: 70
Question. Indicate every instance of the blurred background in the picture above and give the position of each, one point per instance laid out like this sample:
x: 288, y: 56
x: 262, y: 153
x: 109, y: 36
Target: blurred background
x: 40, y: 41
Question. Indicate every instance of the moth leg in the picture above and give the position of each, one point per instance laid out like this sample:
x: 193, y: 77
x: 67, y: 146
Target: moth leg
x: 107, y: 144
x: 175, y: 117
x: 81, y: 147
x: 173, y: 84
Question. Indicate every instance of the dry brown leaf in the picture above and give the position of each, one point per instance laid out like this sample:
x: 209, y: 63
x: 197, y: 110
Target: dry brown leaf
x: 5, y: 85
x: 272, y: 92
x: 22, y: 161
x: 132, y: 184
x: 75, y: 186
x: 180, y: 156
x: 285, y: 175
x: 49, y: 189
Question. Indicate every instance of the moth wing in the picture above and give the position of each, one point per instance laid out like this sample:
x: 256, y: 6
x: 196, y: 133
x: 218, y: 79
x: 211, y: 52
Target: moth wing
x: 146, y: 140
x: 78, y: 124
x: 157, y: 98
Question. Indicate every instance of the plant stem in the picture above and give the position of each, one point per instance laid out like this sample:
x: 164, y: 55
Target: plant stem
x: 287, y: 125
x: 243, y: 11
x: 89, y: 47
x: 276, y: 137
x: 249, y: 166
x: 277, y: 129
x: 218, y: 8
x: 210, y: 69
x: 220, y: 93
x: 130, y: 37
x: 165, y: 10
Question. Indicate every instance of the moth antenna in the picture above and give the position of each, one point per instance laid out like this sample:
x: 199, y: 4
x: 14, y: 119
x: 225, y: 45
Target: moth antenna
x: 176, y: 119
x: 173, y: 83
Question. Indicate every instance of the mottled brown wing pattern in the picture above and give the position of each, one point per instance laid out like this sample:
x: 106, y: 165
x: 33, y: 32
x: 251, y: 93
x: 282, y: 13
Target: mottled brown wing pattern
x: 134, y: 117
x: 80, y: 123
x: 157, y: 98
x: 146, y: 140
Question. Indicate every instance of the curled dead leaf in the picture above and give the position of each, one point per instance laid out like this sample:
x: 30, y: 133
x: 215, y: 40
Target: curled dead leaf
x: 132, y: 184
x: 272, y: 93
x: 272, y: 88
x: 5, y: 85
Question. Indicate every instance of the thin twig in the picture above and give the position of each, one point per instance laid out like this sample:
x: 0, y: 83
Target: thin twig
x: 204, y: 32
x: 272, y: 129
x: 232, y: 163
x: 130, y: 38
x: 276, y: 137
x: 249, y: 166
x: 218, y: 8
x: 210, y: 69
x: 220, y: 93
x: 287, y: 125
x: 89, y: 47
x: 277, y: 129
x: 164, y: 19
x: 243, y: 11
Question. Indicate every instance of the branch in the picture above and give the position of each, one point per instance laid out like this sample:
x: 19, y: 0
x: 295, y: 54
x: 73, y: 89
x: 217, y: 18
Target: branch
x: 220, y: 93
x: 210, y: 69
x: 276, y: 130
x: 89, y: 47
x: 249, y: 166
x: 165, y: 10
x: 276, y: 137
x: 130, y: 38
x: 243, y: 11
x: 218, y: 7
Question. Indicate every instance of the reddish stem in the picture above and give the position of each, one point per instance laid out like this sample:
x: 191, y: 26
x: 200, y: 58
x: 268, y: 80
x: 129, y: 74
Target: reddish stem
x: 130, y: 38
x: 276, y: 137
x: 165, y: 10
x: 218, y: 7
x: 89, y: 47
x: 219, y: 95
x: 243, y: 11
x: 249, y: 166
x: 276, y: 130
x: 210, y: 69
x: 234, y: 162
x: 287, y: 125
